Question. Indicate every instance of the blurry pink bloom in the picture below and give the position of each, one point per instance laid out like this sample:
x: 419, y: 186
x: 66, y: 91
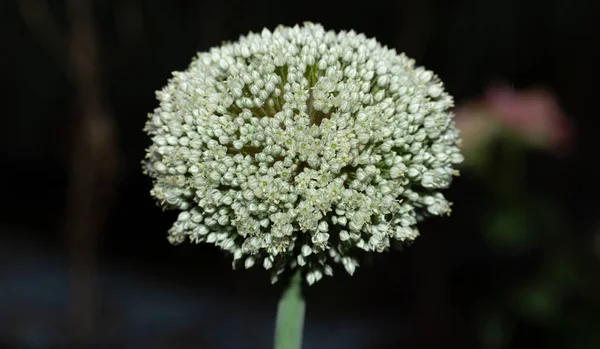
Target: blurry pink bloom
x: 477, y: 127
x: 533, y: 114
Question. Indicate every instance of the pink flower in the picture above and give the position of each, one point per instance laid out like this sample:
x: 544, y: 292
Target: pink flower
x: 534, y: 115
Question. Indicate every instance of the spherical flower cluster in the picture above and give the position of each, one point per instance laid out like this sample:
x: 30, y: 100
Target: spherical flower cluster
x: 300, y: 148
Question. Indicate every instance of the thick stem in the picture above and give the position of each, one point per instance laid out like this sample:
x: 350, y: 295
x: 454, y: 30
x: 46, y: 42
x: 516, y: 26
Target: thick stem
x: 290, y: 315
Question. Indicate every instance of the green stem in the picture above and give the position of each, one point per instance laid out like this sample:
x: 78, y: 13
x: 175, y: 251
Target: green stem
x: 290, y: 315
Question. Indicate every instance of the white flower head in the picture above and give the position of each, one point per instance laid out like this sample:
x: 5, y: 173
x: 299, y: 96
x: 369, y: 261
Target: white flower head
x: 301, y: 147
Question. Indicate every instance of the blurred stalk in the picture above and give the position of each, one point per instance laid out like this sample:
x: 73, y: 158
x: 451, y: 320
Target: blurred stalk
x: 92, y: 171
x: 289, y: 324
x: 93, y: 158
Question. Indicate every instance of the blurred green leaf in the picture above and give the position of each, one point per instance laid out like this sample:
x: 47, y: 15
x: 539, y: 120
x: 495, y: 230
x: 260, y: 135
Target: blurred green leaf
x: 538, y: 302
x: 508, y: 230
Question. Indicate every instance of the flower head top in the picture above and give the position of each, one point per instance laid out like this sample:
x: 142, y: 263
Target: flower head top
x: 300, y: 147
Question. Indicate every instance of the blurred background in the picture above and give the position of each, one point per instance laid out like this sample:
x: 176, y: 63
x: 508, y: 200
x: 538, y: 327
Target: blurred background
x: 84, y: 260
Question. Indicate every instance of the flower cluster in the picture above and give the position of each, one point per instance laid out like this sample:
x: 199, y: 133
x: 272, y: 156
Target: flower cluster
x: 301, y: 147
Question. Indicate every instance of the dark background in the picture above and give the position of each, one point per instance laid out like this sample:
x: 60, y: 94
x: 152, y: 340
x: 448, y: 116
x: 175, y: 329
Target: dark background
x: 84, y: 260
